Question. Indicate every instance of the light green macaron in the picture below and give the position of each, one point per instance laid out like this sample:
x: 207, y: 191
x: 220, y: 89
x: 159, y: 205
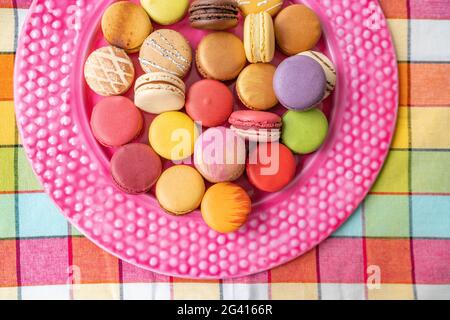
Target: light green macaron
x: 304, y: 131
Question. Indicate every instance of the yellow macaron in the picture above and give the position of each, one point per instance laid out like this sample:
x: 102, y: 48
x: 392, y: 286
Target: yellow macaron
x: 172, y: 135
x: 259, y: 37
x: 180, y: 189
x: 166, y: 12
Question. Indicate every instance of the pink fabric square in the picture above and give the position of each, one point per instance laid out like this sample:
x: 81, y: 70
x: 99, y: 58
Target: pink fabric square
x: 44, y: 261
x: 430, y: 9
x: 133, y: 274
x: 432, y: 261
x: 341, y: 261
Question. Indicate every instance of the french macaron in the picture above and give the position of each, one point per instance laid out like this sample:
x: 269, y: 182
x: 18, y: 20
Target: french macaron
x: 327, y: 66
x: 109, y: 71
x: 167, y: 51
x: 271, y: 167
x: 159, y: 92
x: 126, y: 25
x: 304, y: 132
x: 220, y: 56
x: 256, y: 126
x: 272, y: 7
x: 220, y: 155
x: 135, y: 168
x: 297, y: 29
x: 254, y: 86
x: 214, y: 14
x: 300, y: 83
x: 165, y: 12
x: 180, y: 190
x: 172, y: 135
x: 225, y: 207
x: 259, y: 37
x: 209, y: 102
x: 108, y: 125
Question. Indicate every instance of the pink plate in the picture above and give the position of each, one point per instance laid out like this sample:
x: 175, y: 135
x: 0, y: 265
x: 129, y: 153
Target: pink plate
x: 53, y: 106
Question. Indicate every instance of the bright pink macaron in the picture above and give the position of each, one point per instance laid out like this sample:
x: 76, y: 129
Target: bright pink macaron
x: 116, y: 121
x: 257, y: 126
x: 209, y: 102
x: 135, y: 168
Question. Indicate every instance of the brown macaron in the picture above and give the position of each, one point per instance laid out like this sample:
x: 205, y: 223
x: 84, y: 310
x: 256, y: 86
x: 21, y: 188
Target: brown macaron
x: 220, y: 56
x: 297, y: 29
x: 126, y: 25
x: 214, y: 14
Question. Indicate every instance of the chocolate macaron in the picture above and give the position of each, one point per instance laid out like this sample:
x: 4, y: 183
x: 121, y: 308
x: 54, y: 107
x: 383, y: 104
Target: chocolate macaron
x: 214, y: 14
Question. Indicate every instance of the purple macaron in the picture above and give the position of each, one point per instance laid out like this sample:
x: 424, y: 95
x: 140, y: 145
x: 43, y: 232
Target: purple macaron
x: 299, y: 83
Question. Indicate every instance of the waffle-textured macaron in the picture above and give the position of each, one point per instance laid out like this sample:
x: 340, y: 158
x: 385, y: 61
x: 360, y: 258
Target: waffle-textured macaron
x: 226, y: 207
x: 180, y: 190
x: 126, y: 25
x: 166, y: 12
x: 168, y: 51
x: 109, y: 71
x: 259, y: 37
x: 297, y: 29
x: 213, y: 14
x: 159, y: 92
x: 220, y: 56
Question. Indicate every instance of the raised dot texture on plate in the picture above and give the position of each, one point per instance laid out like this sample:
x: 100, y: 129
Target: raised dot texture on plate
x: 316, y: 205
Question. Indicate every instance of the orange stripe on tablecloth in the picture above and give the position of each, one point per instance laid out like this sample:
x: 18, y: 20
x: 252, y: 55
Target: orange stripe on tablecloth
x: 6, y: 78
x: 430, y: 84
x: 394, y: 9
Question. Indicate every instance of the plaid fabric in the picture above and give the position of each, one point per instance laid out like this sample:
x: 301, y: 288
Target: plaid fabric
x: 397, y: 245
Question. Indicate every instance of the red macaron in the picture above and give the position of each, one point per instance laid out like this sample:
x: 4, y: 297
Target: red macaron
x: 271, y: 167
x: 209, y: 102
x: 257, y: 126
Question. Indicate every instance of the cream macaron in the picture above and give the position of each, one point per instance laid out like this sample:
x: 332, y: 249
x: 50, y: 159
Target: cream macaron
x: 159, y: 92
x: 259, y: 37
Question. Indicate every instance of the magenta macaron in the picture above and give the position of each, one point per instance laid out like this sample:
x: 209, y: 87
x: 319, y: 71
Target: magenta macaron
x: 116, y: 121
x: 220, y: 155
x: 256, y: 126
x: 135, y: 168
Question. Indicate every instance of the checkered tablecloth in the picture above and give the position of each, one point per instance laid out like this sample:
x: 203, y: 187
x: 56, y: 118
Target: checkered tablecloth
x: 397, y: 244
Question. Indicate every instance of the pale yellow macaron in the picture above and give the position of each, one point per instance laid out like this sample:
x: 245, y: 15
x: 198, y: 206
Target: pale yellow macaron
x: 166, y: 12
x: 172, y: 135
x: 259, y: 37
x: 180, y: 190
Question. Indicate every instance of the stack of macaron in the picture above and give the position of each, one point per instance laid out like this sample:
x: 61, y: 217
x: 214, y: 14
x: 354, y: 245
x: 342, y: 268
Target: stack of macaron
x: 202, y: 122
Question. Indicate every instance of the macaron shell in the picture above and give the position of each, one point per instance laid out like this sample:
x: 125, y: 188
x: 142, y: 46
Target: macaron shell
x: 275, y: 172
x: 255, y: 119
x: 107, y: 122
x: 259, y: 37
x: 304, y: 132
x: 165, y: 12
x: 209, y: 102
x: 327, y: 66
x: 159, y: 98
x: 135, y: 168
x: 167, y: 51
x: 109, y: 71
x: 126, y: 25
x: 299, y: 83
x: 220, y: 56
x: 254, y: 87
x: 220, y: 155
x: 213, y: 14
x: 297, y: 29
x: 160, y: 77
x: 172, y: 135
x: 180, y: 189
x: 255, y: 6
x: 225, y: 207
